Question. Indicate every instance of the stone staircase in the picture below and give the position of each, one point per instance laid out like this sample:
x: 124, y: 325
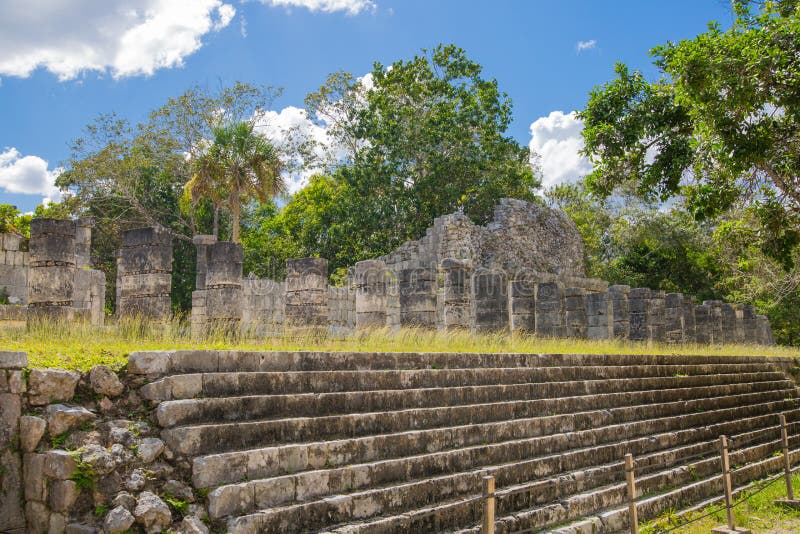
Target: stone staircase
x: 396, y: 442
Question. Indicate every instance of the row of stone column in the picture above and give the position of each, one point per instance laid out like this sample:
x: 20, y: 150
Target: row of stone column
x: 487, y: 301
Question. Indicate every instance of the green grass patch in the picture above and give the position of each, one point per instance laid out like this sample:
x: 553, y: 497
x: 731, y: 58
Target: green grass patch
x: 757, y: 512
x: 80, y: 346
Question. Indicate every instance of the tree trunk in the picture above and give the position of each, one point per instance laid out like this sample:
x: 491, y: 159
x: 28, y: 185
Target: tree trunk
x: 235, y: 209
x: 215, y: 230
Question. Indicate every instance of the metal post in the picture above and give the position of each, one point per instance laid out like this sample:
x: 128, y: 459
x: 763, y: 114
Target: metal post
x: 726, y: 480
x: 633, y: 518
x: 488, y: 505
x: 786, y: 463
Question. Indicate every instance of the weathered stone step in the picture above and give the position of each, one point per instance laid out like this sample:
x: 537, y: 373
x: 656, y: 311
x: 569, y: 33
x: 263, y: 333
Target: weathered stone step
x: 218, y: 437
x: 312, y: 516
x: 212, y: 470
x: 160, y: 363
x: 194, y: 411
x: 510, y: 463
x: 546, y: 432
x: 604, y: 503
x: 216, y: 384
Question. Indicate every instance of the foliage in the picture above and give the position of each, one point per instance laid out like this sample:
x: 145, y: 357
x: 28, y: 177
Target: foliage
x: 420, y: 138
x: 722, y: 127
x: 127, y: 176
x: 631, y: 242
x: 13, y: 221
x: 240, y: 166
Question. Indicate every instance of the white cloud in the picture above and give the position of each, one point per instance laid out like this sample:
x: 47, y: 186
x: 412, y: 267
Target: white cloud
x: 557, y: 139
x: 351, y: 7
x: 125, y: 37
x: 28, y: 175
x: 585, y: 45
x: 291, y: 126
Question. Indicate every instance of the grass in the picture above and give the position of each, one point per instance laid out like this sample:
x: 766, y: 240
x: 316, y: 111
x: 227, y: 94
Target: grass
x: 80, y: 346
x: 758, y: 513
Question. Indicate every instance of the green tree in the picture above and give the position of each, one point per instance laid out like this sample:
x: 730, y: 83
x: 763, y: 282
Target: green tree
x: 417, y: 139
x: 13, y: 221
x: 722, y: 127
x: 240, y: 166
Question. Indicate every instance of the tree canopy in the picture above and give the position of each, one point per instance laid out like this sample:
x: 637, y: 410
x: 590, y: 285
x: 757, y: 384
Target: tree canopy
x: 720, y: 128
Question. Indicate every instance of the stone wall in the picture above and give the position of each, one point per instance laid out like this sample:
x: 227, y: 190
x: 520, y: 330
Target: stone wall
x: 13, y: 269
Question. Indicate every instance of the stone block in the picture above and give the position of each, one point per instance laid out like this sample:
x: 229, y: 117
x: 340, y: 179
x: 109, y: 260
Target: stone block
x: 51, y: 285
x: 51, y: 385
x: 59, y: 465
x: 31, y: 430
x: 13, y: 360
x: 34, y: 476
x: 145, y: 259
x: 225, y: 260
x: 224, y: 303
x: 144, y: 237
x: 38, y: 517
x: 62, y: 418
x: 145, y: 284
x: 62, y: 495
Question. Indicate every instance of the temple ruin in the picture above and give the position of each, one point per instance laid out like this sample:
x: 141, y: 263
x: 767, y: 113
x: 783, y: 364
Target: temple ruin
x: 521, y: 272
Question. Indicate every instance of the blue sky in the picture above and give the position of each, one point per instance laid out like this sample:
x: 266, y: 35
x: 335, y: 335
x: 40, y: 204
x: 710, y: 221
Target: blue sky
x: 65, y: 62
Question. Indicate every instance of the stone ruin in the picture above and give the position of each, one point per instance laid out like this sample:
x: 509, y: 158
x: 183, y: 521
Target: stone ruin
x: 54, y: 278
x: 521, y: 272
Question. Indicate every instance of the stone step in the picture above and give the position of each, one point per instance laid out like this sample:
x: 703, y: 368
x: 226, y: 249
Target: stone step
x: 463, y: 474
x: 606, y: 502
x: 435, y: 425
x: 215, y: 384
x: 510, y: 463
x: 161, y: 363
x: 628, y: 391
x: 466, y: 508
x: 285, y: 459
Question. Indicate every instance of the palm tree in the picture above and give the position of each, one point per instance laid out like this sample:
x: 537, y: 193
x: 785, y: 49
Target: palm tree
x: 241, y: 165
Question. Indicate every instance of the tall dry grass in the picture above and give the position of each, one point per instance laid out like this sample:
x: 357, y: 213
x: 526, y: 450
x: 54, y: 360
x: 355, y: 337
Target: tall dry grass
x: 80, y: 346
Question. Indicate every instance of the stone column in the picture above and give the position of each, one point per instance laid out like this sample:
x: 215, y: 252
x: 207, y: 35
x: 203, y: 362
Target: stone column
x: 599, y: 316
x: 639, y: 304
x: 621, y: 310
x: 457, y: 293
x: 83, y: 242
x: 749, y: 323
x: 764, y: 331
x: 550, y: 309
x: 714, y: 320
x: 521, y: 294
x: 702, y: 317
x: 689, y: 327
x: 728, y: 323
x: 306, y: 297
x: 202, y: 242
x: 575, y: 313
x: 417, y: 293
x: 12, y: 387
x: 674, y: 318
x: 490, y: 301
x: 370, y: 281
x: 655, y: 317
x: 51, y: 272
x: 224, y: 288
x: 145, y: 274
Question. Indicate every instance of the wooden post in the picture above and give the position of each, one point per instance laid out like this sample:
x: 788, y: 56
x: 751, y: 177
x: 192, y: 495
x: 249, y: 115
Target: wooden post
x: 726, y: 480
x: 786, y: 463
x: 488, y: 505
x: 633, y: 518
